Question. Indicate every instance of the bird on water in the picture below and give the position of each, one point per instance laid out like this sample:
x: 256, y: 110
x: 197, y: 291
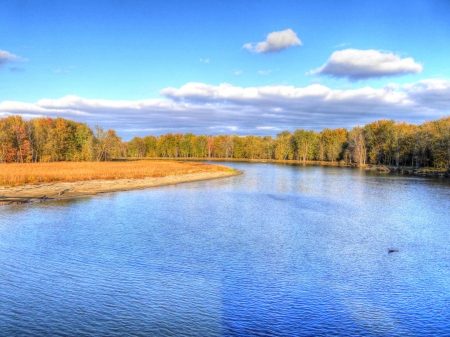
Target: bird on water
x: 390, y: 250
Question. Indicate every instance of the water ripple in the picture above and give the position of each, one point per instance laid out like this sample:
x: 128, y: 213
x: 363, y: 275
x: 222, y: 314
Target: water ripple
x: 278, y: 251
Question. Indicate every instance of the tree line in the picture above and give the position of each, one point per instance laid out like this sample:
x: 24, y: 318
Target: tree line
x: 381, y: 142
x: 59, y: 139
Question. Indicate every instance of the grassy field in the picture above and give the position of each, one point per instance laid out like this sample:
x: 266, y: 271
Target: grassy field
x: 37, y: 173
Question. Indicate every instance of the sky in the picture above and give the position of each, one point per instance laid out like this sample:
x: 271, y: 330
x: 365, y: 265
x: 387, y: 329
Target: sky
x: 150, y: 67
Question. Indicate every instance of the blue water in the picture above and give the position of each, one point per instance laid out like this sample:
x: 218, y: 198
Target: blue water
x: 278, y: 251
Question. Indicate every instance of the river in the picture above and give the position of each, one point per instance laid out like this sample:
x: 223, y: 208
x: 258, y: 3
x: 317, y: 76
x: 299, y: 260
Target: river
x: 281, y: 250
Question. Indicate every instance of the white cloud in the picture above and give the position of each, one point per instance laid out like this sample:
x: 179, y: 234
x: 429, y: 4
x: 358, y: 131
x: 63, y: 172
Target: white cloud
x: 238, y: 72
x: 266, y: 128
x: 75, y: 102
x: 431, y: 93
x: 275, y: 42
x: 342, y: 45
x: 391, y: 87
x: 428, y: 84
x: 204, y: 60
x: 203, y: 109
x: 7, y: 57
x: 265, y: 72
x: 210, y: 92
x: 356, y: 64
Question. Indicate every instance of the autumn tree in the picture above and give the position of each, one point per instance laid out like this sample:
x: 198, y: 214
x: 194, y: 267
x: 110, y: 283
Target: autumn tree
x: 284, y: 148
x: 357, y: 145
x: 150, y: 146
x: 380, y: 142
x: 187, y: 145
x: 210, y: 146
x: 6, y: 143
x: 227, y: 146
x: 200, y: 143
x: 107, y: 144
x: 439, y: 132
x: 238, y: 147
x: 137, y: 147
x: 19, y: 142
x: 333, y: 143
x: 304, y: 144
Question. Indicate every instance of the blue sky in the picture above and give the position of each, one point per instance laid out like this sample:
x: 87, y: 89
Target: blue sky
x: 211, y: 67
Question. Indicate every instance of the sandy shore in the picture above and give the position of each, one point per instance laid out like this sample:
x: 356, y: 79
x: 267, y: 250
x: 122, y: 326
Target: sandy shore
x: 60, y: 190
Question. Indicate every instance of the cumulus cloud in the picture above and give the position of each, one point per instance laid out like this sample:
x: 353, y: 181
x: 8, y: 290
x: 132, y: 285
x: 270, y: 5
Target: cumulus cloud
x: 280, y: 97
x: 223, y: 109
x: 430, y: 93
x: 7, y: 57
x: 356, y: 64
x: 275, y: 42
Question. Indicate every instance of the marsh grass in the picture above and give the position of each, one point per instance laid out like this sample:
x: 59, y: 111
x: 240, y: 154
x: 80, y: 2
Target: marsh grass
x: 37, y: 173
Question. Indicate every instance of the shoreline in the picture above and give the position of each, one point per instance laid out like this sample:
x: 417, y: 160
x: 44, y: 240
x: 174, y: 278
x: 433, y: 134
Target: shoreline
x: 64, y: 190
x: 238, y: 160
x: 420, y: 172
x: 406, y: 170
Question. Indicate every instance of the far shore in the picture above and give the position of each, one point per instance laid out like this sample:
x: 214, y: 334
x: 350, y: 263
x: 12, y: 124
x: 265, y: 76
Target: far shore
x: 63, y: 190
x: 237, y: 160
x: 409, y: 170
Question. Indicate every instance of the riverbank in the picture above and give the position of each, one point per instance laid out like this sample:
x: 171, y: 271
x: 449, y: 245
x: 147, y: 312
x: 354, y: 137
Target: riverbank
x: 239, y: 160
x: 17, y: 174
x: 423, y: 172
x: 61, y: 190
x: 20, y: 183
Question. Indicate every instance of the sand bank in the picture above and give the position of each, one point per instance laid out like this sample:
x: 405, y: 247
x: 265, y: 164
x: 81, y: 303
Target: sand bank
x: 60, y: 190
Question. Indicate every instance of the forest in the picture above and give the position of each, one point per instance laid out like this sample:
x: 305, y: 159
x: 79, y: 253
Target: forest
x: 384, y: 142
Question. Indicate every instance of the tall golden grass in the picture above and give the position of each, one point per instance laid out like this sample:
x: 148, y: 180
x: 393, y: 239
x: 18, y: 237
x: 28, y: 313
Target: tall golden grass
x: 38, y: 173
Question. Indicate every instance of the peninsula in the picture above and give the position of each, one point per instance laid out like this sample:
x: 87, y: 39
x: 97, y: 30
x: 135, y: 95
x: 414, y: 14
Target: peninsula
x: 21, y: 183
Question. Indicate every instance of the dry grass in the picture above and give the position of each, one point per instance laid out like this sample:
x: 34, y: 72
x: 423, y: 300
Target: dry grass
x: 37, y: 173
